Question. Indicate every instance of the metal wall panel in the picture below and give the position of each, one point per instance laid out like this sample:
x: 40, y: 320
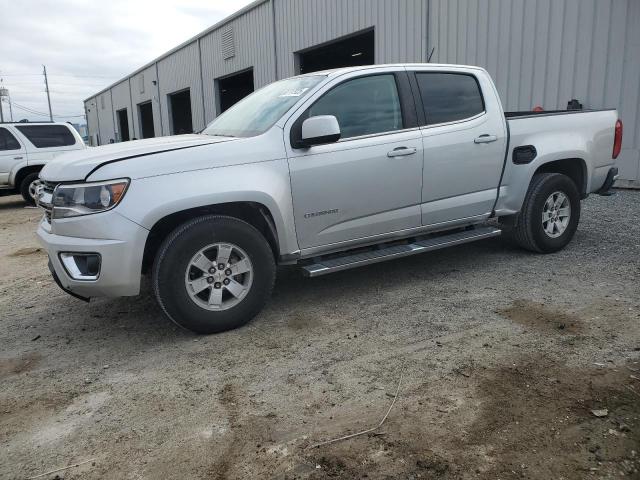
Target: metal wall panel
x: 253, y: 47
x: 400, y: 27
x: 143, y: 90
x: 539, y: 52
x: 105, y: 117
x: 121, y: 98
x: 178, y: 71
x: 92, y: 120
x: 546, y: 52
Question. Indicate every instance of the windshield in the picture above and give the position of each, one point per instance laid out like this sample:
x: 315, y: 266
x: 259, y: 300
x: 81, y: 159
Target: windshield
x: 256, y: 113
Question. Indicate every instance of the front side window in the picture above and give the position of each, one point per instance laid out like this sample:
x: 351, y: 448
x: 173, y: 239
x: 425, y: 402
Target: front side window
x: 363, y: 106
x: 449, y: 97
x: 47, y: 136
x: 8, y: 141
x: 256, y: 113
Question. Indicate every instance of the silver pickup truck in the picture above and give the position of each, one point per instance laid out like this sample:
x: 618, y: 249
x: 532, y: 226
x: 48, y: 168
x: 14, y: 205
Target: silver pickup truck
x: 329, y: 171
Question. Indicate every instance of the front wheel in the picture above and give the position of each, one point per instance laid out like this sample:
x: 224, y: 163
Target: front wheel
x: 28, y: 188
x: 550, y: 214
x: 213, y: 273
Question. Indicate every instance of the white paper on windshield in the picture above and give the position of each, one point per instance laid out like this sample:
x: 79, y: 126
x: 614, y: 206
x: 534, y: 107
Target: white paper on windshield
x: 294, y: 93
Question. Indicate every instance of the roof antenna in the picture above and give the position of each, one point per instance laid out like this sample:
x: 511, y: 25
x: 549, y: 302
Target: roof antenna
x: 431, y: 55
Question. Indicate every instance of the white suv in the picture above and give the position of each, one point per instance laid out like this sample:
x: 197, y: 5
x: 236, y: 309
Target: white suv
x: 26, y: 147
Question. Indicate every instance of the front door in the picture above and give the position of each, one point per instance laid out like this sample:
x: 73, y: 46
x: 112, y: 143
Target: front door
x: 11, y: 153
x: 464, y: 143
x: 369, y: 182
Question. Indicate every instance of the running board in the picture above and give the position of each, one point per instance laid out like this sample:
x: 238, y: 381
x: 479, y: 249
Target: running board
x: 323, y: 267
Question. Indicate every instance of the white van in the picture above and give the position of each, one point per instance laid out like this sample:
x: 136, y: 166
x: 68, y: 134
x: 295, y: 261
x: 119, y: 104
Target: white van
x: 26, y: 147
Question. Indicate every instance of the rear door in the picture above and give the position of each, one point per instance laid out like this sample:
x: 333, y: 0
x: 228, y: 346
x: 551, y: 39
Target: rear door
x: 464, y: 138
x: 369, y: 182
x: 12, y: 152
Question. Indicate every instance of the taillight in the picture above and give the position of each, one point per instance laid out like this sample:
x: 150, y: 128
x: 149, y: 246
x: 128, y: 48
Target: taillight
x: 617, y: 140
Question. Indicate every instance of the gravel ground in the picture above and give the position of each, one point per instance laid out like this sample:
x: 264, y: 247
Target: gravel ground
x: 500, y: 357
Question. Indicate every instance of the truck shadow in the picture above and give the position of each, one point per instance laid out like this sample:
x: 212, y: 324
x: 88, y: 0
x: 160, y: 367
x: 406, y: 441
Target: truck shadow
x: 15, y: 202
x: 404, y: 272
x: 294, y: 295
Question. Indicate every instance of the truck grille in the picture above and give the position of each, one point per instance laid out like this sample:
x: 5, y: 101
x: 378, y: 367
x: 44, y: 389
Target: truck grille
x: 46, y: 200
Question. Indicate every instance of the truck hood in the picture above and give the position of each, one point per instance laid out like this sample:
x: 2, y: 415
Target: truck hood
x: 79, y: 164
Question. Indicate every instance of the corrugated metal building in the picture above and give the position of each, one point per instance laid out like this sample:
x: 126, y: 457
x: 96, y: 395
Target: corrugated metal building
x: 539, y: 52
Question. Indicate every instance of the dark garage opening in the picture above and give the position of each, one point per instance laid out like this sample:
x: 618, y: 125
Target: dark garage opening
x: 180, y: 110
x: 234, y: 88
x: 145, y: 113
x: 123, y: 124
x: 354, y: 50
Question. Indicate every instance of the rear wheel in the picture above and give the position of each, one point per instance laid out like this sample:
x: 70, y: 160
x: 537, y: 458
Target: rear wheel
x: 28, y: 188
x: 213, y: 273
x: 550, y: 214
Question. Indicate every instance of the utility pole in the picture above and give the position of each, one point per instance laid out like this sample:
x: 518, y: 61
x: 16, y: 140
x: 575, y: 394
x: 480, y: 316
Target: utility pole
x: 3, y: 92
x: 10, y: 108
x: 46, y: 86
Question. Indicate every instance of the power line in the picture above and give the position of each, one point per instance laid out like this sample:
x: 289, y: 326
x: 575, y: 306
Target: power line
x: 58, y: 83
x: 57, y: 75
x: 35, y: 112
x: 27, y: 109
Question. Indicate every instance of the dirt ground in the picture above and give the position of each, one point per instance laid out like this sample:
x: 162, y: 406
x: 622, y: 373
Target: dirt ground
x: 501, y: 357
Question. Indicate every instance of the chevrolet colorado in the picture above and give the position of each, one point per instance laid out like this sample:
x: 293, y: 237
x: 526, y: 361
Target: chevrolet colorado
x: 329, y: 171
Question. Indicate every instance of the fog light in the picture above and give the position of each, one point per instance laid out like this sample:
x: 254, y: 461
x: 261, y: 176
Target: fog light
x: 81, y: 266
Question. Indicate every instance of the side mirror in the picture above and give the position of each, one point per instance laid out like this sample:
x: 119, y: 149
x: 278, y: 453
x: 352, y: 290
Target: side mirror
x: 320, y: 130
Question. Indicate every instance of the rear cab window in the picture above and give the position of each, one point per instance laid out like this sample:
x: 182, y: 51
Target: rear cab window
x: 8, y: 141
x: 449, y: 97
x: 47, y: 136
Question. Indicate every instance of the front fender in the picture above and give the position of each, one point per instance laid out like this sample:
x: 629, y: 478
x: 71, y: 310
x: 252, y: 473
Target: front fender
x: 150, y: 199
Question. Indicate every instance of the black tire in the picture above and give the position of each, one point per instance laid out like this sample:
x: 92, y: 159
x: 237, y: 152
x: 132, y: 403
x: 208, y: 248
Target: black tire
x: 175, y: 254
x: 24, y: 187
x: 528, y: 231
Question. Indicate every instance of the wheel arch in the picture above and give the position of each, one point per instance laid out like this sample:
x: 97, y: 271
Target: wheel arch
x: 254, y: 213
x: 22, y: 172
x: 574, y: 168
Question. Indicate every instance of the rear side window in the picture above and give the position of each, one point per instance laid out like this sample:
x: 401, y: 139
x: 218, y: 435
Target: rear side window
x: 448, y: 97
x: 363, y: 106
x: 46, y: 136
x: 8, y: 141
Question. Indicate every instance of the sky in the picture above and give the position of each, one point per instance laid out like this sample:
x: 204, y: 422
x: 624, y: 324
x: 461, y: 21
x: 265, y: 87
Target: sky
x: 88, y: 45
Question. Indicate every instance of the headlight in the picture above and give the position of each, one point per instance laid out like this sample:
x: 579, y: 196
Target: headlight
x: 86, y: 198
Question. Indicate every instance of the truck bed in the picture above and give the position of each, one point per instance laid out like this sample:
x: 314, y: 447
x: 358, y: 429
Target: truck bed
x: 555, y: 135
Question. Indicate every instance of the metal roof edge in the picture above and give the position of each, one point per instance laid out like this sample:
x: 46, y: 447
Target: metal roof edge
x: 221, y: 23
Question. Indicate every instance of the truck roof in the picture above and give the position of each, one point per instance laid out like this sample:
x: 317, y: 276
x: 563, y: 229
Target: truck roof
x: 34, y: 123
x: 342, y: 70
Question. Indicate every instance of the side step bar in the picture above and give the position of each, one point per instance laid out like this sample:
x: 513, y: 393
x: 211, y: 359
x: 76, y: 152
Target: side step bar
x: 346, y: 262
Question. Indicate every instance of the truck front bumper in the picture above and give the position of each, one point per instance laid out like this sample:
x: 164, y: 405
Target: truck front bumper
x: 114, y: 241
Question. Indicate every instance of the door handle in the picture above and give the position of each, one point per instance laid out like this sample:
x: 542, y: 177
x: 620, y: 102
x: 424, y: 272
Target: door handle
x: 17, y: 158
x: 401, y: 152
x: 485, y: 139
